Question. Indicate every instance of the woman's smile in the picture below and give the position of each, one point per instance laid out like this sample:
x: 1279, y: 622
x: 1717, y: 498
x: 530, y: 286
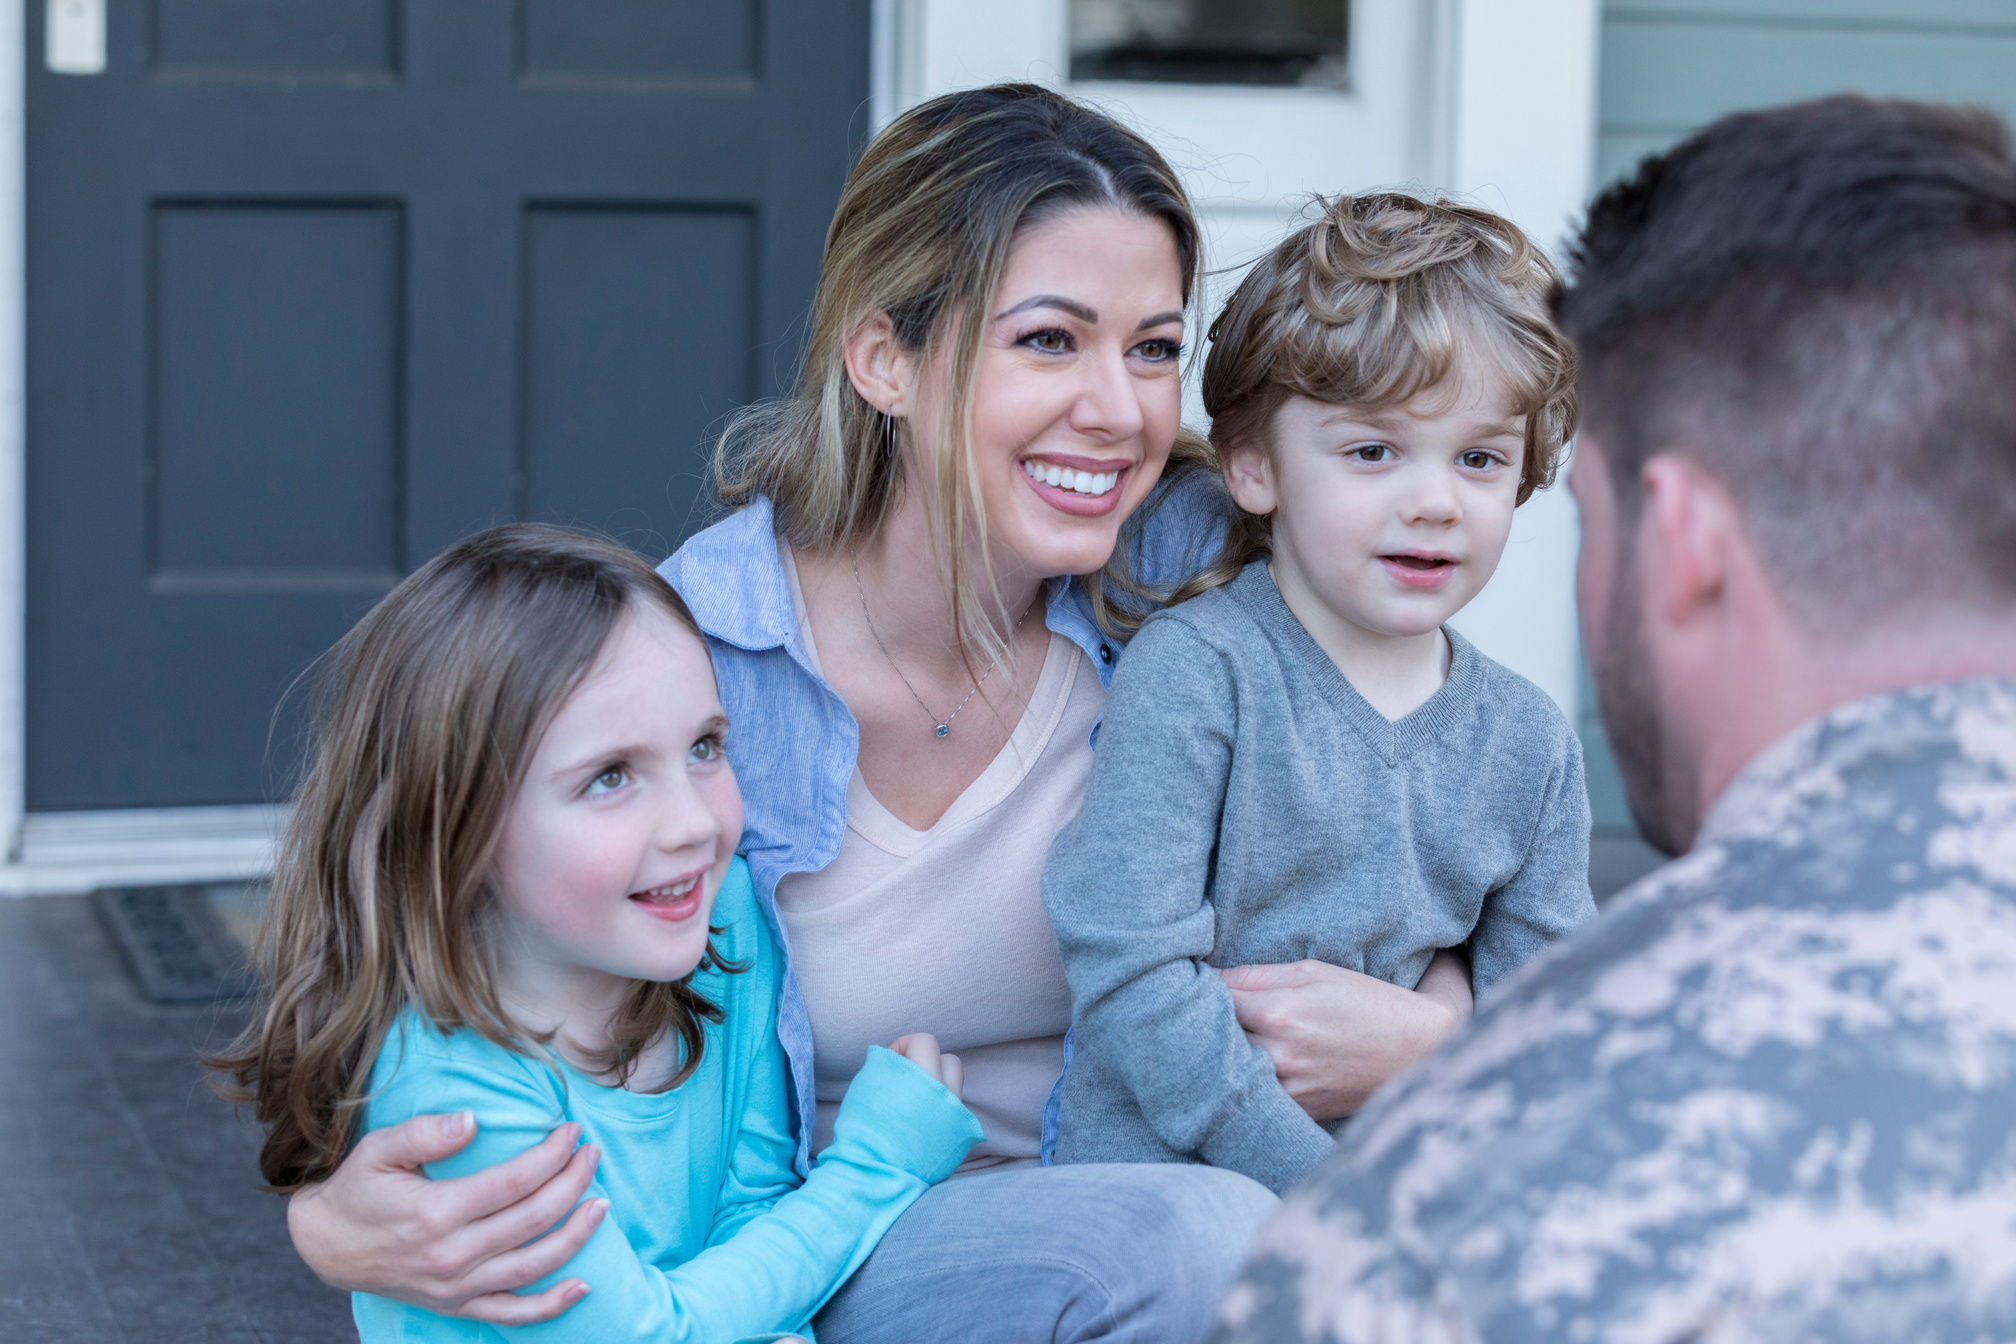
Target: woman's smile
x: 1078, y: 486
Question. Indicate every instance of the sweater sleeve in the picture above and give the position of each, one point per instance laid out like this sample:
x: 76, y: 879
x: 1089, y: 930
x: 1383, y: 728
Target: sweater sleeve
x: 899, y: 1131
x: 1549, y: 896
x: 1127, y: 886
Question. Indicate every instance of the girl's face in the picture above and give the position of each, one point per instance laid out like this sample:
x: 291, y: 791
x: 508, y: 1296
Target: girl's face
x: 1077, y: 389
x: 618, y: 838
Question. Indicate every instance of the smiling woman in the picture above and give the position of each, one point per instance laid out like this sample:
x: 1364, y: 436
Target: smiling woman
x: 943, y: 541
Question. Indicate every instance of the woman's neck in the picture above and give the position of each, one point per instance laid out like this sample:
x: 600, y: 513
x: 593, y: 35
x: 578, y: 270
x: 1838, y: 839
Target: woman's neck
x: 905, y: 589
x: 932, y: 711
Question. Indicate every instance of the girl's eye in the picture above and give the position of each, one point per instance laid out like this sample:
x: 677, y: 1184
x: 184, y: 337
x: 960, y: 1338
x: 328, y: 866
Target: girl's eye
x: 1051, y: 341
x: 610, y: 780
x: 1479, y: 460
x: 1159, y: 351
x: 1372, y: 452
x: 706, y: 749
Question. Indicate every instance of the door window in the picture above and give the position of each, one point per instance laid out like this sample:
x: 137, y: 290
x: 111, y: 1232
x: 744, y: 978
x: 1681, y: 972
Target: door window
x: 1211, y: 41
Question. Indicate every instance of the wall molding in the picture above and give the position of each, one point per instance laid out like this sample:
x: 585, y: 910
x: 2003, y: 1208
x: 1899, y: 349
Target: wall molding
x: 67, y: 853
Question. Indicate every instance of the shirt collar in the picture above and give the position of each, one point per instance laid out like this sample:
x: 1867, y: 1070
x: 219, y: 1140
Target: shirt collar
x: 733, y: 579
x: 1812, y: 764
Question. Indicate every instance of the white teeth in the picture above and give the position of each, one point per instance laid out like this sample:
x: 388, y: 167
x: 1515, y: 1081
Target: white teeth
x: 1064, y: 478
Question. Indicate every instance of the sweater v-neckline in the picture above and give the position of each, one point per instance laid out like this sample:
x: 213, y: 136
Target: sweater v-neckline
x: 1390, y: 739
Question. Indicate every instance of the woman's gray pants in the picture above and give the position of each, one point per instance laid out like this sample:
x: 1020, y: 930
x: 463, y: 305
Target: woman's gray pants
x: 1122, y: 1254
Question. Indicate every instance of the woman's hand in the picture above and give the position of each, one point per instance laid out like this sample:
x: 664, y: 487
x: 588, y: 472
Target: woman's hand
x: 458, y: 1247
x: 1338, y: 1036
x: 921, y: 1049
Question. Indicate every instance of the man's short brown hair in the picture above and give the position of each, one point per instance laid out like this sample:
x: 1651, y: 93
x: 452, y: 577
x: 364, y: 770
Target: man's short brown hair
x: 1817, y: 303
x: 1383, y: 298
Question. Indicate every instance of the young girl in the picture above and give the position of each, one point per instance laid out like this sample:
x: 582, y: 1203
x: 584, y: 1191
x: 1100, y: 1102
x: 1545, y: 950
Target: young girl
x: 510, y: 888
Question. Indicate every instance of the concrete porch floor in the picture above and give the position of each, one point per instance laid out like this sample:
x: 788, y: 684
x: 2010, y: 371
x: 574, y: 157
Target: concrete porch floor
x: 130, y: 1191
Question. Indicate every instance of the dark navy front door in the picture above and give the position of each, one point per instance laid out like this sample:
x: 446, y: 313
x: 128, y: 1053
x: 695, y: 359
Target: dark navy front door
x: 317, y: 286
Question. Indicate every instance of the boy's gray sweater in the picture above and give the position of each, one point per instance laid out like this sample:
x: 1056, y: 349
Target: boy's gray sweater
x: 1247, y: 805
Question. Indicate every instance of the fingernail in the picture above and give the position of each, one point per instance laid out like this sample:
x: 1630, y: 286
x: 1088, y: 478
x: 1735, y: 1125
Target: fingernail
x: 599, y: 1207
x: 580, y: 1291
x: 456, y: 1125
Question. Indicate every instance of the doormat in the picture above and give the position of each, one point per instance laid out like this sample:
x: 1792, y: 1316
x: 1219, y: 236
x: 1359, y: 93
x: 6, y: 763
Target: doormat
x: 175, y: 941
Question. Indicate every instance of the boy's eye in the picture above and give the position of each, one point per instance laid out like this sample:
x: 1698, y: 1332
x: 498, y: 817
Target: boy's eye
x: 1051, y: 341
x: 1479, y: 460
x: 610, y: 780
x: 1371, y: 452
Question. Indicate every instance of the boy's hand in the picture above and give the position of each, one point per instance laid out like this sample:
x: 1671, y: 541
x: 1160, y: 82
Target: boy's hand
x: 921, y: 1049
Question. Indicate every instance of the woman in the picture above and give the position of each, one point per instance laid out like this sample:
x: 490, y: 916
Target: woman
x: 915, y: 678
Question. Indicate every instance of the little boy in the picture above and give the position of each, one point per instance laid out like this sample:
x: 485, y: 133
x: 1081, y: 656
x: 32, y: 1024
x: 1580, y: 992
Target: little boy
x: 1305, y: 762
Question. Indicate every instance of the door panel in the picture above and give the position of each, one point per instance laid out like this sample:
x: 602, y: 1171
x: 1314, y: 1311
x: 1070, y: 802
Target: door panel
x: 268, y: 37
x: 618, y: 377
x: 637, y: 39
x: 315, y: 289
x: 276, y: 397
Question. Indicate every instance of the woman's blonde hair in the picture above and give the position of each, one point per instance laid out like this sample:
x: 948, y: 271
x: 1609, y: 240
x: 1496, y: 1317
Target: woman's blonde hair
x: 921, y: 235
x: 1376, y: 302
x: 427, y: 714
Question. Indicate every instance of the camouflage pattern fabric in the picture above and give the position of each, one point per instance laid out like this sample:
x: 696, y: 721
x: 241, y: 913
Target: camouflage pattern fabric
x: 1769, y: 1095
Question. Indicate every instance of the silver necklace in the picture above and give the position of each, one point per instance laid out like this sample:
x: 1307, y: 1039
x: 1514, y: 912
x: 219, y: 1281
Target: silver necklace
x: 940, y: 728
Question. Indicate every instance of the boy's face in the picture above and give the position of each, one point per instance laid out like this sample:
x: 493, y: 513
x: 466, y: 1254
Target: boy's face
x: 1390, y: 520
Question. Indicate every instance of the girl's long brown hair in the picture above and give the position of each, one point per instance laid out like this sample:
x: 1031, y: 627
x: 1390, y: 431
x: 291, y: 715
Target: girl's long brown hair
x: 425, y: 717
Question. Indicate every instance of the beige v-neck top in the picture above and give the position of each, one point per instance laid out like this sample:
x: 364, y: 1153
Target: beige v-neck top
x: 943, y: 930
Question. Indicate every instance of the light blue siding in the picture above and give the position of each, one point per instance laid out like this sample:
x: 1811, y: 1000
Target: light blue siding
x: 1671, y: 66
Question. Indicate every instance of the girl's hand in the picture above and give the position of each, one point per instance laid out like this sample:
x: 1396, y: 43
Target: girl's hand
x: 921, y: 1049
x: 458, y: 1247
x: 1338, y: 1036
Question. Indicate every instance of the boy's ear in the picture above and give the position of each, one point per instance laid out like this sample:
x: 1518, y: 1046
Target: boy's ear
x: 1249, y: 475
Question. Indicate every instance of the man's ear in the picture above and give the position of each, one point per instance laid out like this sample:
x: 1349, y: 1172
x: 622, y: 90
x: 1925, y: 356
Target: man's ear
x: 1691, y: 532
x: 882, y: 371
x: 1249, y: 475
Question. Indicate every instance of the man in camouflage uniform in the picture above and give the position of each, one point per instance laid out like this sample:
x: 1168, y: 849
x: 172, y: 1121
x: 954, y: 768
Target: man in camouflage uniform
x: 1771, y: 1093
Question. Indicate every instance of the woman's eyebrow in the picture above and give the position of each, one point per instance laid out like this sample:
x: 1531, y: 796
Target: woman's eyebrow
x: 1174, y: 315
x: 1057, y: 301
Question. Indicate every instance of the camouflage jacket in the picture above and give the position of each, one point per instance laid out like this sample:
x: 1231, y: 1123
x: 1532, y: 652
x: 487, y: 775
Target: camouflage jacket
x: 1769, y: 1095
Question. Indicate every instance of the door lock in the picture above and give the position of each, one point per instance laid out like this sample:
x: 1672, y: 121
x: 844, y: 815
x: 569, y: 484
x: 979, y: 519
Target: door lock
x: 76, y: 37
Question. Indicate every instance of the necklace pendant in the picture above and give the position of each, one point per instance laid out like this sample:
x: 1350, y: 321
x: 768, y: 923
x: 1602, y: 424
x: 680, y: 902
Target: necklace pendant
x: 942, y: 730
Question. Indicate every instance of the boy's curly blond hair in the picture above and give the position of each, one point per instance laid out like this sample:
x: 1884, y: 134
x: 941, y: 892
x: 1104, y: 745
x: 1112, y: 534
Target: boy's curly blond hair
x: 1377, y: 301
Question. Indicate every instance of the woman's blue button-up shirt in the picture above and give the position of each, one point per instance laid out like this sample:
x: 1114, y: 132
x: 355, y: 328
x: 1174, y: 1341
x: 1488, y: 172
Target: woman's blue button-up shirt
x: 792, y: 738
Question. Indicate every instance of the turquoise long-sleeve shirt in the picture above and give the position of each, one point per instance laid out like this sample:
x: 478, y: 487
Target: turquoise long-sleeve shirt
x: 711, y: 1236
